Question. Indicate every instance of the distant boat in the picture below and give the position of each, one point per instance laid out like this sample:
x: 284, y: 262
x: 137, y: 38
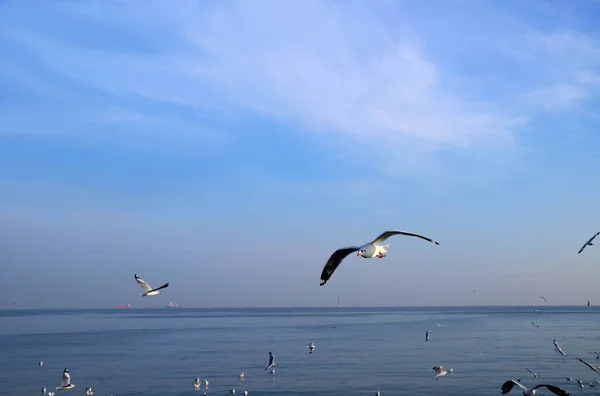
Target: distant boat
x: 339, y: 302
x: 124, y: 306
x: 171, y: 305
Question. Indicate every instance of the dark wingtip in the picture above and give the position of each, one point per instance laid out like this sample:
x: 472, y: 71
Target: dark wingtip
x: 322, y: 282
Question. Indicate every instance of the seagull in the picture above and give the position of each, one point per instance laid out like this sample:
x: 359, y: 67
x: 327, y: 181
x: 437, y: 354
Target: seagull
x: 508, y: 385
x: 241, y: 376
x: 427, y: 335
x: 588, y: 243
x: 197, y: 383
x: 66, y: 381
x: 438, y: 325
x: 246, y: 393
x: 50, y: 393
x: 569, y: 379
x: 580, y: 383
x: 149, y: 290
x: 89, y: 391
x: 588, y: 304
x: 232, y: 391
x: 543, y: 298
x: 271, y: 362
x: 595, y: 369
x: 595, y: 353
x: 535, y: 375
x: 377, y: 393
x: 480, y: 354
x: 538, y: 326
x: 41, y: 363
x: 311, y: 347
x: 368, y: 250
x: 440, y: 372
x: 43, y: 391
x: 558, y: 348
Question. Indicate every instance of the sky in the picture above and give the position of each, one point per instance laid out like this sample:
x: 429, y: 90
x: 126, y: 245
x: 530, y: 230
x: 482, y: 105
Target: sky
x: 229, y: 147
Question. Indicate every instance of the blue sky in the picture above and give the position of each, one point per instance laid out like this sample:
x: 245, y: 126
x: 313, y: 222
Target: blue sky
x: 229, y: 147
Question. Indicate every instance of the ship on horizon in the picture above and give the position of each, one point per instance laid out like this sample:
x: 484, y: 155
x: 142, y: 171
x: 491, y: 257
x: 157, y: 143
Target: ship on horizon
x: 171, y: 305
x: 124, y: 306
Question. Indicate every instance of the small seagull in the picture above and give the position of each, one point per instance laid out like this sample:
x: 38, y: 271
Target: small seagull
x: 232, y: 391
x: 245, y: 392
x: 271, y: 362
x: 508, y: 385
x: 569, y: 379
x: 427, y: 335
x: 149, y: 290
x: 438, y: 325
x: 89, y: 391
x: 197, y: 384
x: 241, y: 376
x: 558, y: 348
x: 440, y: 372
x: 595, y: 369
x: 588, y: 243
x: 66, y: 381
x: 595, y: 353
x: 368, y: 250
x: 43, y: 391
x: 580, y: 383
x: 206, y: 383
x: 311, y: 347
x: 543, y: 298
x: 535, y: 375
x: 377, y: 393
x: 41, y: 363
x: 480, y: 354
x: 50, y: 393
x: 535, y: 325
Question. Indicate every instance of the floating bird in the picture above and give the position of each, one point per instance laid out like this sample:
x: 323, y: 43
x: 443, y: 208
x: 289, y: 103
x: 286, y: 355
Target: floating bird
x: 508, y: 385
x: 241, y: 376
x: 89, y: 391
x: 271, y: 362
x: 368, y: 250
x: 66, y: 381
x: 588, y: 243
x: 149, y: 290
x: 558, y: 348
x: 311, y: 347
x: 543, y: 298
x: 427, y: 335
x: 535, y: 375
x: 440, y: 372
x: 594, y: 369
x: 40, y: 363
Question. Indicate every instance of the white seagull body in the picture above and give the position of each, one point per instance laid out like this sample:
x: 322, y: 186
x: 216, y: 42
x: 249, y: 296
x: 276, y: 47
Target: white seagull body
x: 508, y: 386
x: 271, y: 362
x: 149, y: 291
x: 41, y: 363
x: 558, y: 348
x: 311, y: 347
x: 66, y: 381
x: 368, y: 250
x: 588, y: 243
x: 440, y: 372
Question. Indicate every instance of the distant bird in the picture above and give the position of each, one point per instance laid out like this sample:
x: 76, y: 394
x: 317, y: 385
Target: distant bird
x: 480, y: 354
x: 246, y: 393
x: 508, y: 385
x: 232, y: 391
x: 205, y: 383
x: 427, y: 335
x: 377, y: 393
x: 66, y: 381
x: 588, y: 243
x: 89, y: 391
x: 535, y: 325
x: 197, y: 383
x: 438, y: 325
x: 440, y: 372
x: 41, y: 363
x: 558, y: 348
x: 588, y: 304
x: 580, y: 383
x: 241, y: 376
x: 368, y: 250
x: 569, y: 379
x: 543, y: 298
x: 535, y: 375
x: 149, y: 290
x: 593, y: 368
x: 50, y: 393
x: 271, y: 361
x: 311, y: 347
x: 595, y: 353
x: 43, y: 391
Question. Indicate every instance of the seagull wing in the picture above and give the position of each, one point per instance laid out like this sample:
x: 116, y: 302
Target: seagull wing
x: 143, y: 283
x: 554, y: 389
x: 386, y: 234
x: 589, y: 365
x: 66, y: 379
x: 534, y: 374
x: 162, y: 287
x: 271, y: 361
x: 588, y: 242
x: 508, y: 385
x: 334, y: 261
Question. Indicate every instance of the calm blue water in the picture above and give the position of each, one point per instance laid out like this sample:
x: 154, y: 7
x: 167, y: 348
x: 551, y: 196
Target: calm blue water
x: 160, y: 351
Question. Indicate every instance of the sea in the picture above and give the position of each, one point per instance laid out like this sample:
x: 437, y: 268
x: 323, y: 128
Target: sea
x: 359, y: 351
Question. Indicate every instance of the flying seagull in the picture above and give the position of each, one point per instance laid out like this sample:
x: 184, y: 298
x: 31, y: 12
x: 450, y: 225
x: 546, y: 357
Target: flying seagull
x: 543, y: 298
x: 588, y: 243
x: 271, y: 361
x: 508, y: 385
x: 588, y: 305
x: 89, y: 391
x: 595, y: 369
x: 440, y: 372
x: 595, y: 353
x: 311, y: 347
x: 535, y: 375
x: 480, y: 354
x: 427, y: 335
x: 438, y: 325
x: 66, y: 381
x: 558, y: 348
x: 149, y: 290
x: 368, y: 250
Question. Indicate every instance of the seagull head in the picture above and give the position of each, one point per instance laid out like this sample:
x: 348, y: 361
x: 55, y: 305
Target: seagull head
x: 65, y: 371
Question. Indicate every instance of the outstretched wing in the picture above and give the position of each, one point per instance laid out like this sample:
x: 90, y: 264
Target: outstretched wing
x: 554, y: 389
x: 386, y: 234
x: 163, y: 286
x: 334, y: 261
x: 588, y: 242
x: 595, y: 369
x: 508, y: 385
x: 143, y: 283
